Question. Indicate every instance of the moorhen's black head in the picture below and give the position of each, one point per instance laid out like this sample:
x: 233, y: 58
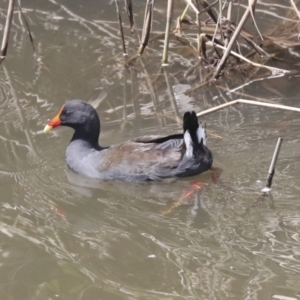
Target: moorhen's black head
x: 80, y: 116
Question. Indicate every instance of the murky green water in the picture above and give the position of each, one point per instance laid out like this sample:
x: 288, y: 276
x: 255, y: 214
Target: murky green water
x: 63, y: 236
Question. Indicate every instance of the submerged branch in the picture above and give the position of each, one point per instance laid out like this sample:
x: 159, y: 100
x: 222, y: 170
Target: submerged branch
x: 38, y: 58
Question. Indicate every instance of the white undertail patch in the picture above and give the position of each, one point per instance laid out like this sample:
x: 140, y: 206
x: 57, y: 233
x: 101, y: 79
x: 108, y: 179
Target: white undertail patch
x: 201, y: 134
x: 188, y: 143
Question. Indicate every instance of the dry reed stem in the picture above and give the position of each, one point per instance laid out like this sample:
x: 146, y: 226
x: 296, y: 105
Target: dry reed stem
x: 251, y: 5
x: 244, y: 101
x: 129, y: 10
x: 8, y: 22
x: 295, y: 8
x: 167, y: 32
x: 233, y: 40
x: 198, y: 21
x: 273, y: 163
x: 191, y: 4
x: 147, y: 26
x: 184, y: 12
x: 273, y: 69
x: 256, y: 47
x: 208, y: 9
x: 121, y: 28
x: 243, y: 94
x: 221, y: 20
x: 229, y: 12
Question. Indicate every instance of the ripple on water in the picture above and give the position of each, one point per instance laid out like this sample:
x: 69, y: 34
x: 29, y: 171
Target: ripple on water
x: 63, y: 235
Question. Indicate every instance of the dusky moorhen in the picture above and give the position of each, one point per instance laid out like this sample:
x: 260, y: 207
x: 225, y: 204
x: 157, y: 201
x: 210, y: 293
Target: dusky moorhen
x: 141, y: 159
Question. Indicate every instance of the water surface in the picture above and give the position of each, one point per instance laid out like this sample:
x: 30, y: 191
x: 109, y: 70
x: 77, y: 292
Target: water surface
x: 63, y: 236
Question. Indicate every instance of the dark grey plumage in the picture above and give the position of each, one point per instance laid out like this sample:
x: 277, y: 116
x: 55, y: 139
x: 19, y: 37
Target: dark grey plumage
x: 141, y: 159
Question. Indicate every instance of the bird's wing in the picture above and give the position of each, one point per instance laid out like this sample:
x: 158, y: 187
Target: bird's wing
x: 141, y: 160
x: 171, y: 142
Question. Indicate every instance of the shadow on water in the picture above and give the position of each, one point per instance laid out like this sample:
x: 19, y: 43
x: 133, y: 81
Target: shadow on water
x: 64, y: 236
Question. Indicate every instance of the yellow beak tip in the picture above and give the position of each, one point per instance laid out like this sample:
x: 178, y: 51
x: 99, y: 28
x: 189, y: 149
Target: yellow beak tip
x: 48, y: 128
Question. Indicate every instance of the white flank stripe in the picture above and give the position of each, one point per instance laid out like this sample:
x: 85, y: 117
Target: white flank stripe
x: 189, y: 144
x: 201, y: 134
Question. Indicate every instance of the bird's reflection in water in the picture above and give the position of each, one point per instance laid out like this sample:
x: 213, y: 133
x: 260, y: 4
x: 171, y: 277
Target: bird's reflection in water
x: 166, y: 198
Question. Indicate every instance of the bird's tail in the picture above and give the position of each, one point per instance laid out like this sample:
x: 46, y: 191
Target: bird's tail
x: 193, y: 132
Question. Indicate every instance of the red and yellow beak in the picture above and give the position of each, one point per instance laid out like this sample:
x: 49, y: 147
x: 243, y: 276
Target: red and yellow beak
x: 53, y: 122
